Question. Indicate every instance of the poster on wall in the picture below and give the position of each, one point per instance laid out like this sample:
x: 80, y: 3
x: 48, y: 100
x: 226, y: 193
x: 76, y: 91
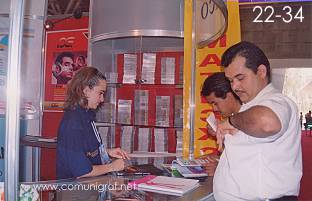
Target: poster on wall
x: 207, y: 61
x: 66, y: 53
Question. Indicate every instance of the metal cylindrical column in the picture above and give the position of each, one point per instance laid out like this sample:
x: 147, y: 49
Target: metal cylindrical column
x: 13, y: 100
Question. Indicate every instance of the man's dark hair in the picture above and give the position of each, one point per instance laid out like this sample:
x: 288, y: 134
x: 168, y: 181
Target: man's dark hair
x: 253, y: 54
x: 59, y: 58
x: 217, y: 84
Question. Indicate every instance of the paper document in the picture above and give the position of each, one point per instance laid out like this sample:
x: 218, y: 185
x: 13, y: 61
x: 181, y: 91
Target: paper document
x: 190, y: 171
x: 212, y: 121
x: 165, y: 185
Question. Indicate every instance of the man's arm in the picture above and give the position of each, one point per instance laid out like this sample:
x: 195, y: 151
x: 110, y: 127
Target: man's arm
x: 257, y: 121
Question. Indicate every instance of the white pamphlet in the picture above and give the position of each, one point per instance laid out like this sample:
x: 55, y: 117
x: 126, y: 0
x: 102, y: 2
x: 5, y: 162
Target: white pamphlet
x: 212, y: 121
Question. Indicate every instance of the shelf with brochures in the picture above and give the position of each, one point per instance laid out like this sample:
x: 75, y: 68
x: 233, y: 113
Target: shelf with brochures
x: 141, y: 138
x: 110, y: 124
x: 138, y: 85
x: 143, y: 107
x: 143, y: 63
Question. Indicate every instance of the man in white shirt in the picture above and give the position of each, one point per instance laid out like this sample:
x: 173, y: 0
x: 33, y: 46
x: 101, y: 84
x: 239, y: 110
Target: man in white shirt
x: 217, y: 91
x: 262, y: 156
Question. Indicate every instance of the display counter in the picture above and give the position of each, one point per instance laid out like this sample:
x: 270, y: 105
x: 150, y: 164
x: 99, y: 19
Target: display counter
x: 108, y: 187
x: 111, y: 187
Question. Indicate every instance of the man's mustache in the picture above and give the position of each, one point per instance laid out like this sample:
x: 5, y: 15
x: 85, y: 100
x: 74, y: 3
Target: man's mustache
x: 238, y: 91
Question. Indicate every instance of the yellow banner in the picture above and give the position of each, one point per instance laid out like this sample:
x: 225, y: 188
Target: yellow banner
x: 207, y: 62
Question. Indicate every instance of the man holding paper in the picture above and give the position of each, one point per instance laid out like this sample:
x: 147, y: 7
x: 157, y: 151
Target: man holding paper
x: 217, y: 91
x: 262, y: 156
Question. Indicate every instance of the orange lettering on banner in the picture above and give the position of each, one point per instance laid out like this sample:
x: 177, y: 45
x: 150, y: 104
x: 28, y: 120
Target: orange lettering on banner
x: 203, y: 114
x: 203, y: 131
x: 205, y: 111
x: 221, y: 40
x: 214, y: 58
x: 203, y: 119
x: 206, y: 135
x: 210, y: 59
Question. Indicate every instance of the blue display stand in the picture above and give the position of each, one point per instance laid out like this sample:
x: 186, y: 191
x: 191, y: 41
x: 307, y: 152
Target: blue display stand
x: 2, y: 139
x: 23, y: 129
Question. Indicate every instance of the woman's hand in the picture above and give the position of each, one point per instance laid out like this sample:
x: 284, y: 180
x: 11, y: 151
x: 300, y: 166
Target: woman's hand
x: 117, y: 165
x: 118, y: 153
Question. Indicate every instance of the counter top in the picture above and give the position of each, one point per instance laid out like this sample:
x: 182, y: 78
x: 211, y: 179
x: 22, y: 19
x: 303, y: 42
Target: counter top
x: 112, y: 187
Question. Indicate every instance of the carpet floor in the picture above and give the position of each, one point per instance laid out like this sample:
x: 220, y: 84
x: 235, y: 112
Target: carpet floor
x: 306, y: 181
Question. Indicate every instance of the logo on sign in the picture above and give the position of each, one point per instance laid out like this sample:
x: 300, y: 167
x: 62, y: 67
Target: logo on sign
x: 66, y: 42
x: 207, y: 7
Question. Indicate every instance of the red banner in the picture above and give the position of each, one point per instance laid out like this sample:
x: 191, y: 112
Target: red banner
x: 66, y: 52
